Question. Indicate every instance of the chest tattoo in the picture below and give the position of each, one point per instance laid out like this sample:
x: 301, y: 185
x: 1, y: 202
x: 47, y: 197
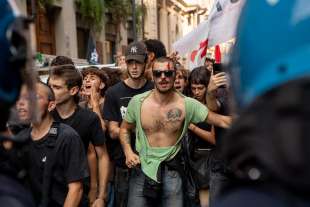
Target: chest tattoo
x: 174, y: 115
x: 159, y: 125
x: 169, y: 122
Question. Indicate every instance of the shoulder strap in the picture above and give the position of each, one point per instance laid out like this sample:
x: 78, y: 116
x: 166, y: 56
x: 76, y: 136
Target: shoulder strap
x: 51, y: 158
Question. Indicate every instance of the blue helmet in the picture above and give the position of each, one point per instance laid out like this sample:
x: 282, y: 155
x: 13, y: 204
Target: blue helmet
x: 272, y: 47
x: 13, y: 53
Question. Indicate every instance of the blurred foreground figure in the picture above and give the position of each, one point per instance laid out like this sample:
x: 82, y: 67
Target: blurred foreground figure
x: 14, y: 34
x: 268, y: 146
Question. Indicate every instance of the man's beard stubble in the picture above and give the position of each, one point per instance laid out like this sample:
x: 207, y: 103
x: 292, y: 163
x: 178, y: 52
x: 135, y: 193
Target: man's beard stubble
x: 164, y: 91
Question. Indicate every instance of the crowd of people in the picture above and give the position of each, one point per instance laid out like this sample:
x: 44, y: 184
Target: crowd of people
x: 105, y: 139
x: 153, y: 133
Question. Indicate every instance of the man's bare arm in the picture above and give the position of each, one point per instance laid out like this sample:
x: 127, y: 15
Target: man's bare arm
x: 219, y: 120
x: 114, y: 129
x: 74, y: 195
x: 124, y: 135
x: 212, y: 102
x: 93, y: 166
x: 95, y: 103
x: 208, y: 136
x: 104, y: 168
x: 132, y: 159
x: 216, y: 81
x: 96, y: 109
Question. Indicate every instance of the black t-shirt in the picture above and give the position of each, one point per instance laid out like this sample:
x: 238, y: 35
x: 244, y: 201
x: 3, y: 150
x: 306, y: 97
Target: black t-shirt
x: 70, y: 163
x: 84, y: 105
x: 86, y: 123
x: 117, y: 98
x: 116, y: 101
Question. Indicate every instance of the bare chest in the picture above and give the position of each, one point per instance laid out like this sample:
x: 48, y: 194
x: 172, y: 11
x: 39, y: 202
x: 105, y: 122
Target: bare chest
x: 168, y: 120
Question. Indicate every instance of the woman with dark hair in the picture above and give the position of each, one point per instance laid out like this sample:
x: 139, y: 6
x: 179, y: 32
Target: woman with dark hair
x: 198, y: 83
x: 202, y: 134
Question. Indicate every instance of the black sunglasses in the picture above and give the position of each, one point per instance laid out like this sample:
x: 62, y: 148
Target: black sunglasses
x: 167, y: 73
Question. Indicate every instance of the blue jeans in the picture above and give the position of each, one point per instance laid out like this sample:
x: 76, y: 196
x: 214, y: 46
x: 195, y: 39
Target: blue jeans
x: 172, y: 192
x: 111, y: 195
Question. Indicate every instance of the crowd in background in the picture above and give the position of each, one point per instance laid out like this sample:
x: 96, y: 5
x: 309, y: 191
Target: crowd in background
x: 93, y: 102
x: 151, y: 132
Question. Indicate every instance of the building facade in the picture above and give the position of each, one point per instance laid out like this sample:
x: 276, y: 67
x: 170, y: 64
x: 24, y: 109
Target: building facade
x: 169, y: 20
x: 60, y: 30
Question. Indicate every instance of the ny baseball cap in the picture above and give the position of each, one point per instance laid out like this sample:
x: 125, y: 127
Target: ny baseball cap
x: 136, y: 51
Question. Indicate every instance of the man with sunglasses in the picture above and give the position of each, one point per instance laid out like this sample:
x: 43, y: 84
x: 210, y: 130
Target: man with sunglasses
x: 160, y: 118
x: 116, y: 101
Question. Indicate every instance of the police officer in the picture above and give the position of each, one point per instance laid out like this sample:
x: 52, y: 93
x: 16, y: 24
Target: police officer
x: 268, y: 146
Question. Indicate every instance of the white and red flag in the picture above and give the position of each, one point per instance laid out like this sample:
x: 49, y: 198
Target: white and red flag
x: 194, y: 44
x: 220, y: 27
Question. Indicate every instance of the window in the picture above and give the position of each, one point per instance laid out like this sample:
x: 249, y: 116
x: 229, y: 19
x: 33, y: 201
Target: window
x: 45, y: 29
x: 82, y: 40
x: 110, y: 51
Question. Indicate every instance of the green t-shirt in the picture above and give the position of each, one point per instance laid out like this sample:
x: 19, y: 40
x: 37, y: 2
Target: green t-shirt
x: 151, y: 157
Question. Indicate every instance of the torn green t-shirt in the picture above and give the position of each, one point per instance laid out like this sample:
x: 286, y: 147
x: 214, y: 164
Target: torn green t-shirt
x: 151, y: 157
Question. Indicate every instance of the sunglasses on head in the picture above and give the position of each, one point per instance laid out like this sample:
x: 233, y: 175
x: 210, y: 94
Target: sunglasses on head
x: 167, y: 73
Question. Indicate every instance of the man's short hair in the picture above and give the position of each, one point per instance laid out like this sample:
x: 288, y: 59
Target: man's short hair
x: 156, y: 46
x: 50, y: 92
x: 165, y: 59
x: 61, y: 60
x: 69, y: 73
x: 114, y: 76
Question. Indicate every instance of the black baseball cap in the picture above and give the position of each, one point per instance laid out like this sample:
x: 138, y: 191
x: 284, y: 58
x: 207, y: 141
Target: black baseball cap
x: 136, y: 51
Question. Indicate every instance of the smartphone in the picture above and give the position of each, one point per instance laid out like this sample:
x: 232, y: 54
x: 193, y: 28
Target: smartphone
x: 217, y: 68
